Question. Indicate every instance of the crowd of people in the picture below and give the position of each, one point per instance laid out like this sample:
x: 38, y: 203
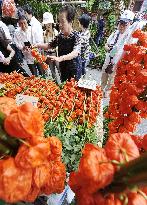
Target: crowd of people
x: 67, y: 50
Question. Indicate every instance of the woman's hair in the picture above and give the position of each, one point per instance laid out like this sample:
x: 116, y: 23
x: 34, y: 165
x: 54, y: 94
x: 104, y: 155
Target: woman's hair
x: 22, y: 17
x: 70, y: 12
x: 20, y: 12
x: 84, y: 20
x: 28, y: 9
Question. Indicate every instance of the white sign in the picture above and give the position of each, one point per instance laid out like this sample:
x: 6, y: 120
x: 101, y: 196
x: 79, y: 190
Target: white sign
x: 2, y: 85
x: 88, y: 84
x: 20, y: 99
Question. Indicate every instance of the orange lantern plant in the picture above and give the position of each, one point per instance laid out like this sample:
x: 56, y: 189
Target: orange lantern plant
x: 36, y: 167
x: 40, y: 58
x: 127, y: 99
x: 102, y: 179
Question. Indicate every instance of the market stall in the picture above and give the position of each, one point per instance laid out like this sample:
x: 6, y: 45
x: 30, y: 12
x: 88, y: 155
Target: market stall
x: 49, y: 132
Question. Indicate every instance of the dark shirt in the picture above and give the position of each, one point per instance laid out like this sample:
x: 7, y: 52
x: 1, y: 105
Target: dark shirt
x: 101, y: 25
x: 66, y: 45
x: 4, y: 42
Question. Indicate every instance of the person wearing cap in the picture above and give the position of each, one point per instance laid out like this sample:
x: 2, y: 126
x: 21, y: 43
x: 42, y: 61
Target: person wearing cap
x: 85, y: 37
x: 49, y: 34
x: 114, y: 48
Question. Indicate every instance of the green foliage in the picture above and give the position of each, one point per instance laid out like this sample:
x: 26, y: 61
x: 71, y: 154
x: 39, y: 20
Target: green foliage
x: 39, y: 7
x: 2, y: 202
x: 126, y: 2
x: 73, y: 138
x: 100, y: 53
x: 105, y: 126
x: 95, y: 5
x: 110, y: 23
x: 90, y: 4
x: 93, y: 30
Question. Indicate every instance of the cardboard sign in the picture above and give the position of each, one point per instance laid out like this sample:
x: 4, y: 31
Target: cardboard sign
x: 2, y: 85
x: 21, y: 99
x: 88, y: 84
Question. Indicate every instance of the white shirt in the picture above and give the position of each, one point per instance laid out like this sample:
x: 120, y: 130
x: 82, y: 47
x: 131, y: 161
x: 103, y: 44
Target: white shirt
x: 36, y: 31
x: 117, y: 50
x: 20, y: 37
x: 125, y: 38
x: 6, y: 30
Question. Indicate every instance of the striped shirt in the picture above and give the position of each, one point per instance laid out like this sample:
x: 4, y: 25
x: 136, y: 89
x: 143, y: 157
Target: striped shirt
x: 85, y: 46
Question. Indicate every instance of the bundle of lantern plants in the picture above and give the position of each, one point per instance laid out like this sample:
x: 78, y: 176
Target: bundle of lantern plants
x: 128, y: 98
x: 70, y: 113
x: 115, y: 174
x: 30, y: 164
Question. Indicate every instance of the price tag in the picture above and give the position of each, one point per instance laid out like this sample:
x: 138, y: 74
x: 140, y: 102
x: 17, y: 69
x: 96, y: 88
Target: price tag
x: 21, y: 99
x: 88, y: 84
x: 2, y: 85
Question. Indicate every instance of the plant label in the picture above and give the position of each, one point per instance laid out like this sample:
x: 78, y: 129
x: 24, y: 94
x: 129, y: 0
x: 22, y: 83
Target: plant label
x: 88, y: 84
x: 21, y: 99
x: 2, y: 86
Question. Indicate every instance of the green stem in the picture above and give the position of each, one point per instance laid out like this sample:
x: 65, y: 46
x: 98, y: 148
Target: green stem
x: 7, y: 140
x: 2, y: 117
x: 130, y: 174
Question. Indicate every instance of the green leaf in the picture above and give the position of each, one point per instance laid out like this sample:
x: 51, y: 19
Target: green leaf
x: 2, y: 202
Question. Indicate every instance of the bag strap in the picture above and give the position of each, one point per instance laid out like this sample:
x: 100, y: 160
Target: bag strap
x: 116, y: 39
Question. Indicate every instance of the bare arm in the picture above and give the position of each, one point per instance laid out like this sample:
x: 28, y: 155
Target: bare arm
x: 12, y: 52
x: 69, y: 56
x: 44, y: 46
x: 9, y: 58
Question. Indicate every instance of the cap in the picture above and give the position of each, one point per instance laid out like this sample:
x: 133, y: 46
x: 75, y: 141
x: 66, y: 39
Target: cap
x: 47, y: 18
x: 127, y: 16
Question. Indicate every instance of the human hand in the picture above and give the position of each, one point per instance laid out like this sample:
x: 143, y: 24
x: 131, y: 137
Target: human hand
x: 35, y: 46
x: 7, y: 61
x: 110, y: 47
x: 55, y: 58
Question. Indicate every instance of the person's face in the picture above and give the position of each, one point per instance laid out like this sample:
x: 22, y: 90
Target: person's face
x: 80, y: 26
x: 48, y: 27
x: 63, y: 23
x: 122, y: 27
x: 28, y: 17
x: 23, y: 25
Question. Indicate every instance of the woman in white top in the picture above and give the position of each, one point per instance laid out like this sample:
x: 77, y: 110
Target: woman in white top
x: 49, y: 34
x: 22, y: 39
